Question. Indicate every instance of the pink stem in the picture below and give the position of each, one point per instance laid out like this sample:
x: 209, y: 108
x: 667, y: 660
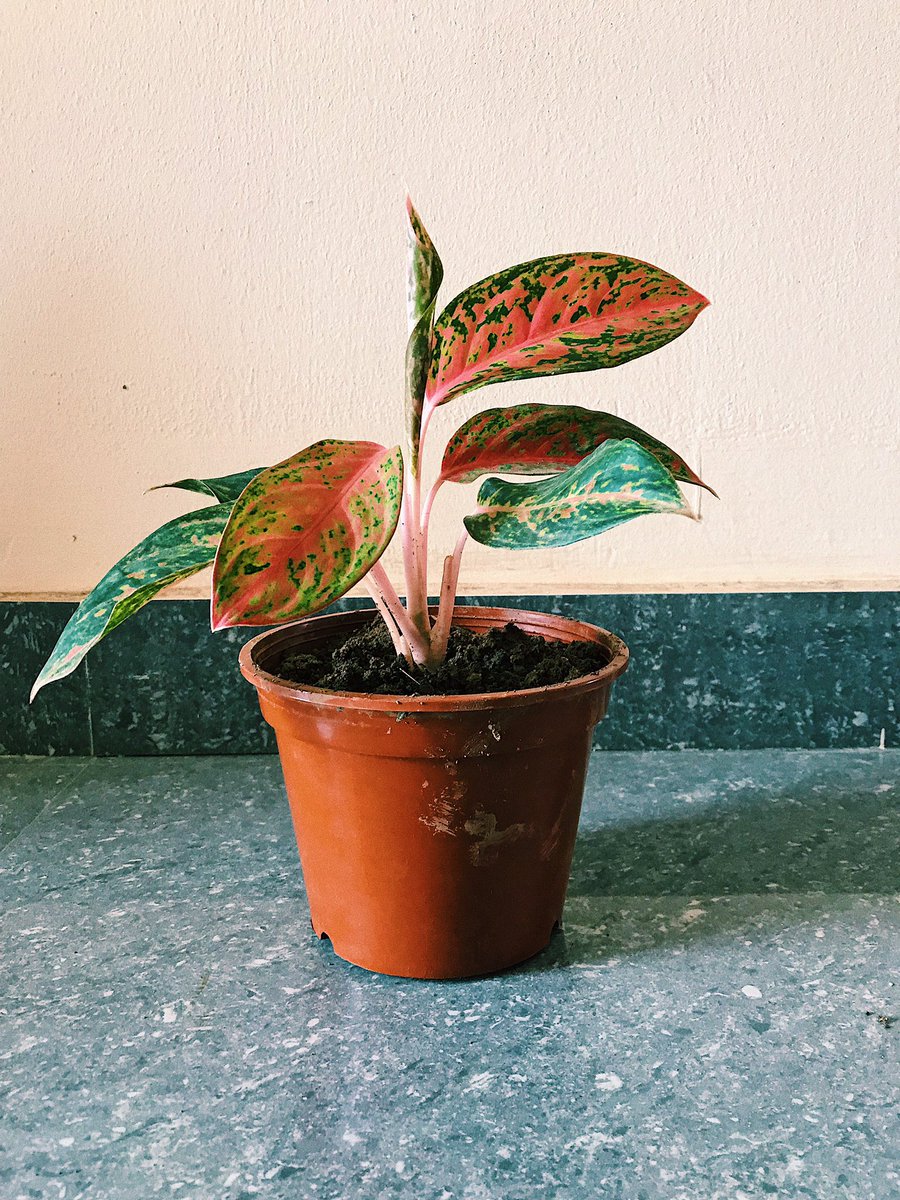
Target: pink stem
x: 449, y: 582
x: 416, y: 641
x: 415, y: 539
x: 400, y: 643
x: 426, y: 510
x: 408, y: 532
x: 417, y: 599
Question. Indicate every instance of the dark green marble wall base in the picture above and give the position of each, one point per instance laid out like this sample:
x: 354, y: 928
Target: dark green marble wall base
x: 734, y: 670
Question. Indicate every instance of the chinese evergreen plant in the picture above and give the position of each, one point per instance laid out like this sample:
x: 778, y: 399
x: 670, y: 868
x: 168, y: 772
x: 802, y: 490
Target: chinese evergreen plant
x: 288, y: 540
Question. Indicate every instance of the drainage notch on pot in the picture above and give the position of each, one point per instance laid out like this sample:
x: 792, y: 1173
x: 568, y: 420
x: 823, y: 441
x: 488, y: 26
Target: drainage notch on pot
x: 437, y: 846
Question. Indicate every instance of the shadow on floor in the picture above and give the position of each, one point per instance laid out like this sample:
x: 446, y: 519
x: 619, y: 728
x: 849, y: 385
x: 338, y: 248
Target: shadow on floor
x: 633, y: 886
x: 808, y: 839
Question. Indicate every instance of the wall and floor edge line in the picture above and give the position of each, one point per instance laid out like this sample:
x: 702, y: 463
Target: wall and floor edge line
x: 710, y: 670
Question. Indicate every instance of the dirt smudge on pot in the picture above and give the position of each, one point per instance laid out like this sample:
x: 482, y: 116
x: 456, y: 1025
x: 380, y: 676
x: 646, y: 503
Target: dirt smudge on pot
x: 483, y: 826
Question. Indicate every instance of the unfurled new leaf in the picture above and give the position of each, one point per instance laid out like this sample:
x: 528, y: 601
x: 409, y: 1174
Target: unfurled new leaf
x: 567, y: 312
x: 176, y: 550
x: 537, y: 439
x: 424, y: 269
x: 424, y: 275
x: 305, y: 531
x: 618, y: 481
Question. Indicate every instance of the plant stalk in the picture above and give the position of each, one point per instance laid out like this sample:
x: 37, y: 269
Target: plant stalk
x: 449, y: 582
x: 426, y: 644
x: 415, y: 539
x: 400, y: 643
x: 426, y: 513
x: 417, y: 642
x: 415, y: 567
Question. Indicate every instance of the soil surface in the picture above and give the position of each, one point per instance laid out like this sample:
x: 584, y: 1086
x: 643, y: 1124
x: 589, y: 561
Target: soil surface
x: 501, y: 660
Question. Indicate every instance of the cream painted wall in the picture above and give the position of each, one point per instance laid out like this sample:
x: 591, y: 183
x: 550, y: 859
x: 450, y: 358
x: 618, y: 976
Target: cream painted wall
x: 203, y: 256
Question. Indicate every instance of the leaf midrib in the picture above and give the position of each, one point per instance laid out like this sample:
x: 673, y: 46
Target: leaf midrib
x: 575, y: 502
x: 439, y: 396
x: 322, y: 515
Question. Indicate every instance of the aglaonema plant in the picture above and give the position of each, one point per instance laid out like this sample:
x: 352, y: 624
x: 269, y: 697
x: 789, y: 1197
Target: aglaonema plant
x: 288, y: 540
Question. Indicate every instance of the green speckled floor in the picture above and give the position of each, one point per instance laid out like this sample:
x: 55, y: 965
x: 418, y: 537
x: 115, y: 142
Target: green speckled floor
x: 720, y: 1018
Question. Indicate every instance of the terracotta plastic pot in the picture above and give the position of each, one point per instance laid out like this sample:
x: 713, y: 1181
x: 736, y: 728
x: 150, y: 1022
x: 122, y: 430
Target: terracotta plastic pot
x: 435, y: 832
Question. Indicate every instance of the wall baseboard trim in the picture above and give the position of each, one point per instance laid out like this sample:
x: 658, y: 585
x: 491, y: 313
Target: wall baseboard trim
x: 505, y: 586
x: 710, y: 670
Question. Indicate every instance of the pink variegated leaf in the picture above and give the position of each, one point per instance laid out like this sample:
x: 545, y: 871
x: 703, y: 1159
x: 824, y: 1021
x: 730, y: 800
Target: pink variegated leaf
x: 538, y: 439
x: 303, y: 532
x: 554, y: 315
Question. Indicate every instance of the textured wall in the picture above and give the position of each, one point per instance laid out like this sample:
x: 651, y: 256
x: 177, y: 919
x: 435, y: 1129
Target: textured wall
x: 203, y: 256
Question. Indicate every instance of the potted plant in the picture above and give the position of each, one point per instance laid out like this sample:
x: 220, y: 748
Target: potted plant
x: 434, y: 760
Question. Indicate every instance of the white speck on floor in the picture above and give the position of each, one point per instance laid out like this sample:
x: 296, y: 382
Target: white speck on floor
x: 592, y: 1141
x: 751, y: 992
x: 480, y: 1083
x: 607, y: 1081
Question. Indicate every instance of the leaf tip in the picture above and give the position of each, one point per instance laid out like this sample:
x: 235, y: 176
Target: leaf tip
x: 416, y: 228
x: 471, y: 525
x: 412, y: 218
x: 219, y: 619
x: 702, y: 302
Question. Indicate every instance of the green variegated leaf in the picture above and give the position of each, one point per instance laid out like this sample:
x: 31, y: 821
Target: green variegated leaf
x: 424, y: 275
x: 305, y: 531
x: 618, y: 481
x: 176, y: 550
x: 563, y: 313
x: 221, y: 487
x: 537, y: 439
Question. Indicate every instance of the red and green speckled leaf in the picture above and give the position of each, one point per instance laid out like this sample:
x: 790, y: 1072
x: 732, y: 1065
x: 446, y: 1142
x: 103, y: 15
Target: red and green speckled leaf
x: 563, y: 313
x: 178, y: 549
x: 537, y: 439
x: 423, y: 278
x: 618, y: 481
x: 305, y: 531
x: 220, y: 487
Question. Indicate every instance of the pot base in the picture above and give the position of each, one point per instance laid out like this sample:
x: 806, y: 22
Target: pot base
x: 458, y: 970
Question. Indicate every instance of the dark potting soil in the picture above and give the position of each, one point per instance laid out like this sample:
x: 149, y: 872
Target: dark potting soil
x: 501, y: 660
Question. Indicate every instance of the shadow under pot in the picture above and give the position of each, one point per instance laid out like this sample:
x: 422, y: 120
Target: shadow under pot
x: 435, y: 832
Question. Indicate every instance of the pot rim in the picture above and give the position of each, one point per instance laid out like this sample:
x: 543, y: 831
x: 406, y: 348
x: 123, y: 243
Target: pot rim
x: 278, y: 689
